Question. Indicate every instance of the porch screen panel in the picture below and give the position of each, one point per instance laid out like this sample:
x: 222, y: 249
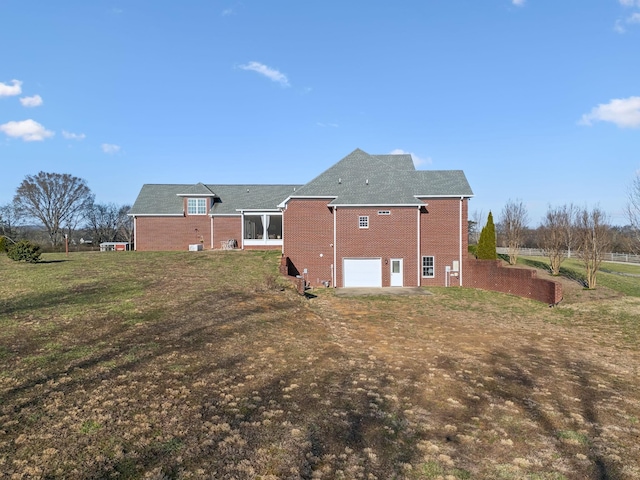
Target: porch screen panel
x: 253, y: 227
x: 274, y: 226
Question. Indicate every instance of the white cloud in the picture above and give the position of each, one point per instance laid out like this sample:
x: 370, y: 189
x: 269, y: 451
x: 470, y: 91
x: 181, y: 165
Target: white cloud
x: 624, y: 112
x: 271, y: 73
x: 7, y: 90
x: 110, y: 148
x: 618, y: 27
x: 34, y: 101
x: 518, y: 3
x: 73, y: 136
x: 333, y: 125
x: 417, y: 161
x: 28, y: 130
x: 630, y: 3
x: 635, y: 18
x: 227, y: 11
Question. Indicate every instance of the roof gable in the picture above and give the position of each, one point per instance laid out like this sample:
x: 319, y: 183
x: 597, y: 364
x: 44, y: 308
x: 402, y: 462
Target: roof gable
x: 197, y: 190
x: 363, y: 179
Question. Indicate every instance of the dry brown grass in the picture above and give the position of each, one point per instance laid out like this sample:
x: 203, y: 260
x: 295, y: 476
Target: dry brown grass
x: 193, y: 365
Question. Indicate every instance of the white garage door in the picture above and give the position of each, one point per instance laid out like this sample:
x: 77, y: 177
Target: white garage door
x: 362, y: 272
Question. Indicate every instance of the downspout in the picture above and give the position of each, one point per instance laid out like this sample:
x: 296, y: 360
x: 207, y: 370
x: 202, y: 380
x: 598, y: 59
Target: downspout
x: 135, y: 233
x: 460, y: 242
x: 211, y: 218
x: 282, y: 226
x: 242, y: 228
x: 335, y: 248
x: 419, y: 263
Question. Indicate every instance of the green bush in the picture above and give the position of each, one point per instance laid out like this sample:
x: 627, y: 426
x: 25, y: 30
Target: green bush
x: 24, y: 251
x: 4, y: 244
x: 487, y: 241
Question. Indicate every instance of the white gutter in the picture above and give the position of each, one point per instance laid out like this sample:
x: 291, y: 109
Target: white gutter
x: 335, y: 248
x: 419, y: 259
x: 443, y: 196
x: 374, y: 205
x: 286, y: 200
x: 211, y: 219
x: 242, y: 230
x: 460, y: 242
x: 135, y: 234
x: 155, y: 214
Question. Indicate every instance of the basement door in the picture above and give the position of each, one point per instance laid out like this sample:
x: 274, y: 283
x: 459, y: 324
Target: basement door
x: 362, y: 272
x: 396, y: 272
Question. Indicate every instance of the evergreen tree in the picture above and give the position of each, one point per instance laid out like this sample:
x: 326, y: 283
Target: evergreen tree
x: 487, y: 241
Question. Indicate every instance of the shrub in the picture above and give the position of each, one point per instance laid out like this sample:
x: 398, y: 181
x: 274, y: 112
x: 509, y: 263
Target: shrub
x: 4, y: 244
x: 487, y: 241
x: 24, y: 251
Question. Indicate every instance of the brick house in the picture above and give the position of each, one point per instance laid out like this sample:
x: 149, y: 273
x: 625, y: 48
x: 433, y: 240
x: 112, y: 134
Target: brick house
x: 369, y: 220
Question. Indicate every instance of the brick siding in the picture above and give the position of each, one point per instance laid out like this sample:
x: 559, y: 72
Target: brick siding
x: 523, y: 282
x: 388, y: 236
x: 172, y: 233
x: 440, y: 237
x: 308, y: 234
x: 225, y: 229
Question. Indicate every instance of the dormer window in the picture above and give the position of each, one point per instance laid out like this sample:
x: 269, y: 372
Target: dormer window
x: 197, y: 206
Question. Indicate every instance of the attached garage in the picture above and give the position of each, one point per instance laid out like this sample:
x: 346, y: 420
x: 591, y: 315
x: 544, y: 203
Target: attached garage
x: 362, y: 272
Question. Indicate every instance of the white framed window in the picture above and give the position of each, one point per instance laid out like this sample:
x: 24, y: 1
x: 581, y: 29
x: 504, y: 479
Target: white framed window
x: 262, y: 229
x: 363, y: 221
x: 428, y: 267
x: 197, y: 206
x: 384, y: 212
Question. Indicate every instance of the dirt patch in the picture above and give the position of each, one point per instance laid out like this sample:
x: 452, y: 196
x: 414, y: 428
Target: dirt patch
x: 207, y: 372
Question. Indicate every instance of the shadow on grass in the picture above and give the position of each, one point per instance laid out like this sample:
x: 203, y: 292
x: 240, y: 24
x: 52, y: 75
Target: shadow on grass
x: 567, y: 273
x: 521, y: 386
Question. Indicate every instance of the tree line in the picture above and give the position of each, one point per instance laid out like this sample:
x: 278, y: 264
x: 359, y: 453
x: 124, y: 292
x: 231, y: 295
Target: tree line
x: 47, y: 207
x: 564, y: 228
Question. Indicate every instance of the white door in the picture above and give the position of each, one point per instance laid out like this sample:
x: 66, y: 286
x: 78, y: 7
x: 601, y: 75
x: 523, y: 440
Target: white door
x: 396, y: 272
x: 362, y: 272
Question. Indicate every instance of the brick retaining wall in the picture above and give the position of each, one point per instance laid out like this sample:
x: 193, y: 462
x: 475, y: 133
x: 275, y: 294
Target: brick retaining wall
x: 523, y: 282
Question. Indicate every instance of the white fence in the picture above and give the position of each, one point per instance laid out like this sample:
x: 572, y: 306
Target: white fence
x: 608, y: 257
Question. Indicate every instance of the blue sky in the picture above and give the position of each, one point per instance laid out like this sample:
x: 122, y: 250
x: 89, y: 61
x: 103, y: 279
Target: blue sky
x: 535, y: 100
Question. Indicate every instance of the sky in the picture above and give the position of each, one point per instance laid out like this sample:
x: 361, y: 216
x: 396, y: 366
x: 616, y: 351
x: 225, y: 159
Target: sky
x: 537, y: 101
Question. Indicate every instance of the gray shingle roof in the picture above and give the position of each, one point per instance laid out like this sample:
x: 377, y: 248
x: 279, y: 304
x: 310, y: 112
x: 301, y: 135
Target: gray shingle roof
x: 357, y: 179
x: 166, y: 199
x: 363, y: 179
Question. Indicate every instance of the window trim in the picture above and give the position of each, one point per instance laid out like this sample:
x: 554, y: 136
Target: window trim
x: 199, y: 206
x: 432, y: 266
x: 363, y: 221
x: 265, y: 240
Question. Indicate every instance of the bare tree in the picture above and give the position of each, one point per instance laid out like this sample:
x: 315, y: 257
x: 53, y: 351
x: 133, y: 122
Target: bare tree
x: 107, y: 221
x: 57, y: 200
x: 126, y: 224
x: 8, y: 221
x: 556, y: 234
x: 633, y: 209
x: 477, y: 219
x: 592, y: 240
x: 513, y: 222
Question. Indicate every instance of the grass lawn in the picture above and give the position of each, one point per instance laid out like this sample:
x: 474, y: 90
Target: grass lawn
x: 208, y: 365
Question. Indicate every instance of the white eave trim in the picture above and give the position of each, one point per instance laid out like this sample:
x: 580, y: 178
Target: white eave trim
x: 155, y: 214
x: 193, y: 195
x: 443, y: 196
x: 376, y: 205
x: 224, y: 214
x: 284, y: 202
x: 265, y: 210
